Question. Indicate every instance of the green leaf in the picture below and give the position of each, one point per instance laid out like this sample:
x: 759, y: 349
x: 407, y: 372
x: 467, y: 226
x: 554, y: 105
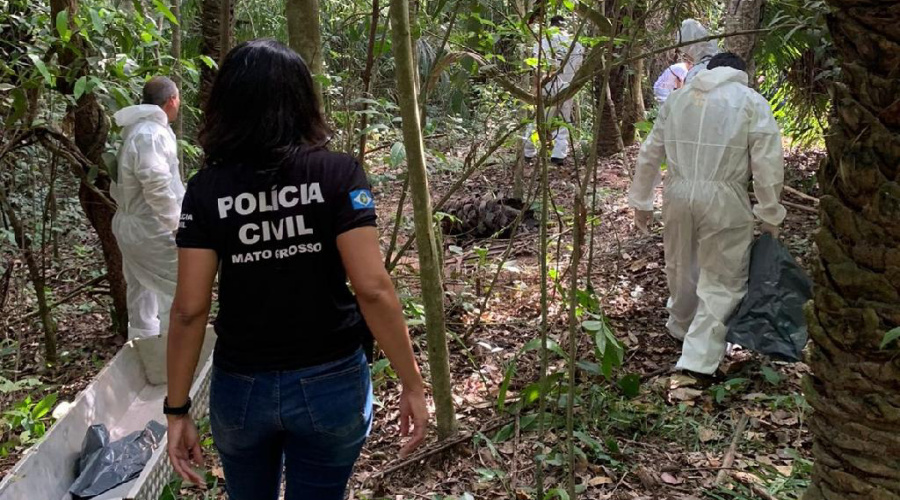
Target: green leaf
x: 42, y: 68
x: 630, y: 385
x: 44, y: 406
x: 208, y: 62
x: 570, y: 5
x: 164, y: 10
x: 504, y: 386
x: 398, y: 154
x: 20, y: 105
x: 92, y: 173
x: 771, y: 375
x: 592, y: 325
x: 890, y: 337
x: 98, y: 24
x: 146, y: 37
x: 62, y: 26
x: 531, y: 62
x: 80, y: 86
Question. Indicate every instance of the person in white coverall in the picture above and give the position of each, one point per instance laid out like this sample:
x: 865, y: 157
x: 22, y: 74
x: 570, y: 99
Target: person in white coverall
x: 670, y: 80
x: 556, y: 48
x: 699, y: 53
x: 148, y: 191
x: 715, y: 134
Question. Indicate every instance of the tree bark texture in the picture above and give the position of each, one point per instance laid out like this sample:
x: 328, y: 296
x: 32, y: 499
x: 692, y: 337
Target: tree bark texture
x: 432, y: 288
x: 611, y: 138
x: 217, y: 36
x: 91, y: 129
x: 305, y: 36
x: 176, y: 77
x: 635, y: 111
x: 743, y: 15
x: 855, y: 386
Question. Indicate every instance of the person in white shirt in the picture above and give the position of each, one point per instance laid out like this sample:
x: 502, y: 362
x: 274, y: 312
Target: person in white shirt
x: 148, y: 192
x: 715, y: 135
x: 564, y: 59
x: 670, y: 80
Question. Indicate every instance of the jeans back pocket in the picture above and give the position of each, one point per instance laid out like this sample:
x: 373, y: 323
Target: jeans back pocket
x: 229, y: 400
x: 337, y: 401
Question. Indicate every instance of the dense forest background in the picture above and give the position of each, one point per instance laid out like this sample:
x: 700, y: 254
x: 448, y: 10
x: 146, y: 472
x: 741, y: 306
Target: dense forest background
x: 536, y: 309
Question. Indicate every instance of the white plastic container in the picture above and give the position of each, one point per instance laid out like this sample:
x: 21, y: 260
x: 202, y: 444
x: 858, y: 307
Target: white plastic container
x: 126, y: 395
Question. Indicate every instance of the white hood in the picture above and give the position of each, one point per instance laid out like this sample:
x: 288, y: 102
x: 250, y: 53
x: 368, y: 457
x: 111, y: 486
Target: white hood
x: 707, y: 80
x: 126, y: 117
x: 691, y: 30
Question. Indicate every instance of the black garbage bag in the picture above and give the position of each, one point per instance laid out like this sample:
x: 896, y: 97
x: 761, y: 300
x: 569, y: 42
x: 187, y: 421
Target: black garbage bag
x: 770, y: 319
x: 96, y: 438
x: 112, y: 464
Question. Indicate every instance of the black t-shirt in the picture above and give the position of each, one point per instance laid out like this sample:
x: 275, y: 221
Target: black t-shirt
x: 284, y: 303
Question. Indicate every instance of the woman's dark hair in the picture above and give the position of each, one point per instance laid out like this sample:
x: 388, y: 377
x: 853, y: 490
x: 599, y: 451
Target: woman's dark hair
x: 262, y: 108
x: 728, y: 59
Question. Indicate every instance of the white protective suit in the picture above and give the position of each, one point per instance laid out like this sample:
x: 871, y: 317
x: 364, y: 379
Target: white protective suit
x: 148, y: 191
x: 555, y: 48
x: 670, y: 80
x: 715, y: 133
x: 701, y: 52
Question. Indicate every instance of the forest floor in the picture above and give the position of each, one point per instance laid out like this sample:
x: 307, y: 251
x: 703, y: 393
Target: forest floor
x: 666, y: 439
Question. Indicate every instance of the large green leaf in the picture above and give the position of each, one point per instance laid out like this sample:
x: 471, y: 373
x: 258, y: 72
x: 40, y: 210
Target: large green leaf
x: 42, y: 68
x: 62, y: 26
x: 164, y: 10
x: 890, y: 337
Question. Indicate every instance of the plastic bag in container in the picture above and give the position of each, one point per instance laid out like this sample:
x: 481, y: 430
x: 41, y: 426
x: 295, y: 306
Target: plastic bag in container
x: 107, y: 466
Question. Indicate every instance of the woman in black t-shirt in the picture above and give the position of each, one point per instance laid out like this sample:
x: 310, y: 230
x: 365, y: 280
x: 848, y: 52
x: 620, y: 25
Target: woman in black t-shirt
x: 284, y: 223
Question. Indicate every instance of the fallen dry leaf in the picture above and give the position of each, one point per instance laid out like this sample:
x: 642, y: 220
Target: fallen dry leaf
x: 707, y: 435
x: 597, y: 481
x: 670, y: 479
x: 685, y: 394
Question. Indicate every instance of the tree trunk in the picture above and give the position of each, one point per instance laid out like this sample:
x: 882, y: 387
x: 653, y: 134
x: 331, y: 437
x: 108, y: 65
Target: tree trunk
x: 743, y: 15
x: 367, y: 81
x: 432, y: 288
x: 91, y: 129
x: 855, y: 385
x: 305, y: 37
x: 635, y: 111
x: 217, y: 35
x: 176, y: 77
x: 35, y: 275
x: 611, y: 138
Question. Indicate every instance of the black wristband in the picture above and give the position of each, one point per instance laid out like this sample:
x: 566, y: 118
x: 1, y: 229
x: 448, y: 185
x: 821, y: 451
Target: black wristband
x: 181, y: 410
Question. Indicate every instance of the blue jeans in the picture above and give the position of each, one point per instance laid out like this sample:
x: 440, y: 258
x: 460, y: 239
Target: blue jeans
x: 310, y: 423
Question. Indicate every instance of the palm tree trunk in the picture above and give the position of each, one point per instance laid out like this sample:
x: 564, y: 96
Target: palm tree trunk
x: 217, y: 32
x: 855, y: 385
x: 429, y: 259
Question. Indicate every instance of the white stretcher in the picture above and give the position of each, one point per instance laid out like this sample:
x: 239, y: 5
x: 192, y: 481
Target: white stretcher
x: 126, y: 395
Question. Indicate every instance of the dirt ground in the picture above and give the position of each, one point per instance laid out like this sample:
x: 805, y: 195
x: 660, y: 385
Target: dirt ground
x: 669, y: 441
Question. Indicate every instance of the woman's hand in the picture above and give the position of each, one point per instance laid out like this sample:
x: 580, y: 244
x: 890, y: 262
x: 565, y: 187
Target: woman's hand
x: 184, y: 448
x: 413, y: 411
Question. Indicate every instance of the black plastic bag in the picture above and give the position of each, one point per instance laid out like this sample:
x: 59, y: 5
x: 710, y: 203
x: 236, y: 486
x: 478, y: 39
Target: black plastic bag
x: 96, y: 438
x: 107, y: 466
x: 770, y: 318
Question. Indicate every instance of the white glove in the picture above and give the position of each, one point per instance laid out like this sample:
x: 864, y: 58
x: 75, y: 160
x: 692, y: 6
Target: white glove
x: 642, y: 220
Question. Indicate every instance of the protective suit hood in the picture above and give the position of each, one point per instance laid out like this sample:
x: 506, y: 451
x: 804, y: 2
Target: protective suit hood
x: 691, y: 29
x: 126, y: 117
x: 705, y: 81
